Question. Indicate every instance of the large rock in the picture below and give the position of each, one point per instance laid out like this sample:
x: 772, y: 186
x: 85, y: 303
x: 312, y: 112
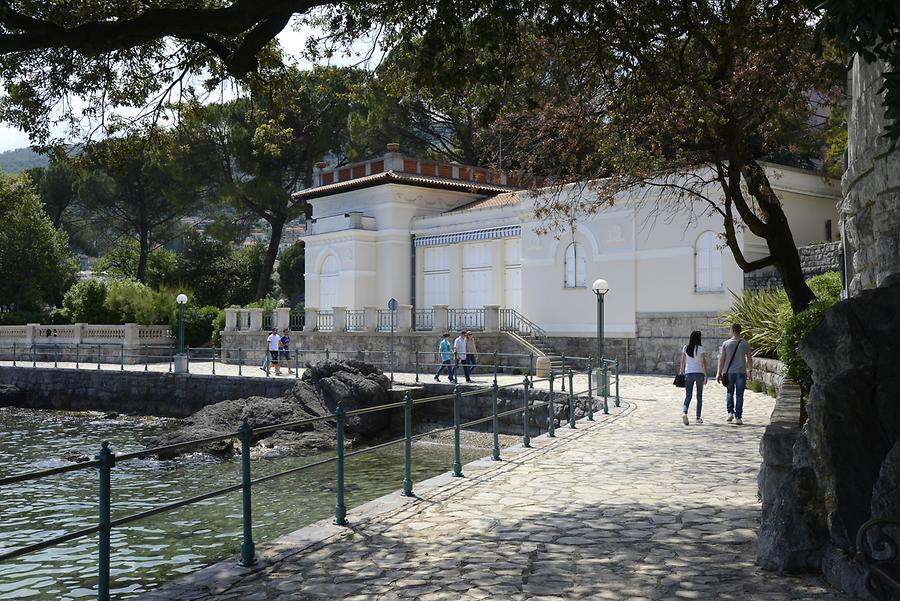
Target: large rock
x: 886, y: 494
x: 853, y: 408
x: 356, y: 385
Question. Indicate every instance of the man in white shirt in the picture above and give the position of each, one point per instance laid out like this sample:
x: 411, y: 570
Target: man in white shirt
x: 273, y: 343
x: 459, y: 355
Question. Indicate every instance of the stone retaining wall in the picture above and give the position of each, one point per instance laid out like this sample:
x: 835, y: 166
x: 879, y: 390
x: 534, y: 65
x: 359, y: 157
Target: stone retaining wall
x: 777, y: 444
x: 768, y: 371
x: 138, y: 393
x: 815, y: 259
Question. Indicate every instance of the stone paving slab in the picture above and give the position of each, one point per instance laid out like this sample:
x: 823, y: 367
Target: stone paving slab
x: 634, y: 506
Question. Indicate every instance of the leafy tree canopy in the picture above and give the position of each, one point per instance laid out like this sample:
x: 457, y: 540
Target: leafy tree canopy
x: 35, y: 263
x: 291, y: 271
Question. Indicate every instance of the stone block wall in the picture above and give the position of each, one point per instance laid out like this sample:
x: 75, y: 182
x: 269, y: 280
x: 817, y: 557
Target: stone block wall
x: 815, y: 259
x: 768, y: 371
x: 870, y: 210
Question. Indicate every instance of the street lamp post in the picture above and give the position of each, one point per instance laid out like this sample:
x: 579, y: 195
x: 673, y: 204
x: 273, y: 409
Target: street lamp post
x: 600, y: 287
x: 180, y: 360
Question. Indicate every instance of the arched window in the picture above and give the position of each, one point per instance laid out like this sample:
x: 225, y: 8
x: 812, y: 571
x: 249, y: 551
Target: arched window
x: 707, y: 264
x: 575, y: 266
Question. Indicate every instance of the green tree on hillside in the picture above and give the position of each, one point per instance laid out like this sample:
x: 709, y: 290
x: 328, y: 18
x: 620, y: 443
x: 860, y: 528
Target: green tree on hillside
x: 291, y: 271
x: 35, y: 263
x: 258, y: 149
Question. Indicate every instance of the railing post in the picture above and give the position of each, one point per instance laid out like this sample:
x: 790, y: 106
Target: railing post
x: 145, y: 357
x: 34, y: 358
x: 407, y: 446
x: 531, y: 366
x: 563, y: 370
x: 14, y: 354
x: 296, y: 363
x: 571, y: 399
x: 604, y: 373
x: 340, y: 510
x: 457, y: 460
x: 98, y: 356
x: 496, y: 423
x: 326, y: 353
x: 107, y: 461
x: 213, y: 351
x: 551, y: 418
x: 417, y: 367
x: 590, y: 399
x: 55, y: 356
x: 495, y: 368
x: 617, y: 382
x: 248, y: 549
x: 240, y: 361
x: 77, y: 355
x: 121, y: 357
x: 187, y: 360
x: 526, y: 431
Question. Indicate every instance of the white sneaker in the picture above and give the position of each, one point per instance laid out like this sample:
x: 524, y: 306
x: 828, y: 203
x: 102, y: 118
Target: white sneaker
x: 738, y: 422
x: 684, y: 419
x: 699, y: 420
x: 730, y: 417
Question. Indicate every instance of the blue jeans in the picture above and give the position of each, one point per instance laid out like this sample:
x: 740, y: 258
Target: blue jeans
x: 444, y: 365
x: 689, y: 381
x: 734, y: 400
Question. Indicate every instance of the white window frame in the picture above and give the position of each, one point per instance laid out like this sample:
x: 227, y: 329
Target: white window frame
x: 578, y: 280
x: 708, y: 276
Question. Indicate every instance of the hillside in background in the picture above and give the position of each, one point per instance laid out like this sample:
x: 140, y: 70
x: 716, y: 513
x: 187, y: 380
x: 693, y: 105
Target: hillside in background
x: 20, y: 159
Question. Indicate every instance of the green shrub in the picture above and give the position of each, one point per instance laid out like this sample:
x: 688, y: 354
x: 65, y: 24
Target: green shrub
x: 827, y: 287
x: 516, y: 371
x: 85, y: 302
x: 218, y: 325
x: 756, y: 386
x: 198, y: 324
x: 795, y: 329
x: 772, y: 391
x: 132, y: 302
x: 762, y: 315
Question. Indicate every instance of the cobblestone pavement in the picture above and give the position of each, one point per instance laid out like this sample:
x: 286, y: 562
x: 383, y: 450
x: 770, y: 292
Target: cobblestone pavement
x: 632, y: 506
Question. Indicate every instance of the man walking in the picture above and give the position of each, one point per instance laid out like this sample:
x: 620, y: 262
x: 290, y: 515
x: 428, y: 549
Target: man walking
x: 273, y: 343
x: 445, y: 354
x: 459, y: 349
x: 735, y: 368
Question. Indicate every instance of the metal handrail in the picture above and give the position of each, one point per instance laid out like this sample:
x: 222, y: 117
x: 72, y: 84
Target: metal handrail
x: 106, y: 461
x: 423, y: 320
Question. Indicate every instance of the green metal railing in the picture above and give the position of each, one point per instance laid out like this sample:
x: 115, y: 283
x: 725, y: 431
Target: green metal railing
x: 106, y: 460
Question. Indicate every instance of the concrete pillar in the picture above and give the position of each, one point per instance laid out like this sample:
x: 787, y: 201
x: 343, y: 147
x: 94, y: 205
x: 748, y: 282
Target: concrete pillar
x: 31, y: 332
x: 404, y: 318
x: 132, y: 338
x: 311, y: 319
x: 542, y: 367
x: 492, y: 318
x: 441, y: 318
x: 282, y: 318
x: 371, y: 317
x: 256, y: 319
x: 340, y: 319
x: 230, y: 320
x: 78, y: 332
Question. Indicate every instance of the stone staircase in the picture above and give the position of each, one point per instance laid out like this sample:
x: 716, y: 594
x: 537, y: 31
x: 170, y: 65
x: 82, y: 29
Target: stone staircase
x: 530, y: 336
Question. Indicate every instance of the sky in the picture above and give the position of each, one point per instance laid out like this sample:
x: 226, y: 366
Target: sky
x: 292, y: 39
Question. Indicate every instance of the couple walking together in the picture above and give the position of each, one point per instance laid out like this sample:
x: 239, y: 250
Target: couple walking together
x: 734, y: 369
x: 463, y: 351
x: 278, y: 347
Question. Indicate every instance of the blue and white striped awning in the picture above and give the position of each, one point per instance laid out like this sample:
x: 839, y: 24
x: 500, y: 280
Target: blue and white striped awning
x: 485, y: 234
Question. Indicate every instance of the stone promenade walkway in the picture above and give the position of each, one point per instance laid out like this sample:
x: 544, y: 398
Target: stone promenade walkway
x: 632, y: 506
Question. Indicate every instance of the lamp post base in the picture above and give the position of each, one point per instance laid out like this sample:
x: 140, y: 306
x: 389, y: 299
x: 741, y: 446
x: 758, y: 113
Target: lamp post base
x: 180, y: 364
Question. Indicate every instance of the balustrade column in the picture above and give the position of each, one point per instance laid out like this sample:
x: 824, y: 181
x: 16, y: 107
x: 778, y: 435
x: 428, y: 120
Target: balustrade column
x: 256, y: 319
x: 370, y: 314
x: 340, y: 319
x: 441, y: 318
x: 404, y: 318
x: 231, y: 320
x: 492, y: 318
x: 282, y: 318
x: 311, y: 323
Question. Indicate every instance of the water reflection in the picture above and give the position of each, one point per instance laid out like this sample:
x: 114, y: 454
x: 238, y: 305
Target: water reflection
x: 172, y: 544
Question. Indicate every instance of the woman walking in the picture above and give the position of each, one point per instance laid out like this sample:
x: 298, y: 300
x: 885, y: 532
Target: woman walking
x: 693, y: 366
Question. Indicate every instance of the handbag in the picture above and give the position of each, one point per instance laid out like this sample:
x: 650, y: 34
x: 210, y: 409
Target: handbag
x: 679, y: 380
x: 725, y: 375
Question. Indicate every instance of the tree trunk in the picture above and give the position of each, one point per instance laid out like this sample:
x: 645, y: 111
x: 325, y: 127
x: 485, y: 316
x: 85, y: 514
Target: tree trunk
x: 265, y: 275
x: 779, y: 238
x: 144, y: 240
